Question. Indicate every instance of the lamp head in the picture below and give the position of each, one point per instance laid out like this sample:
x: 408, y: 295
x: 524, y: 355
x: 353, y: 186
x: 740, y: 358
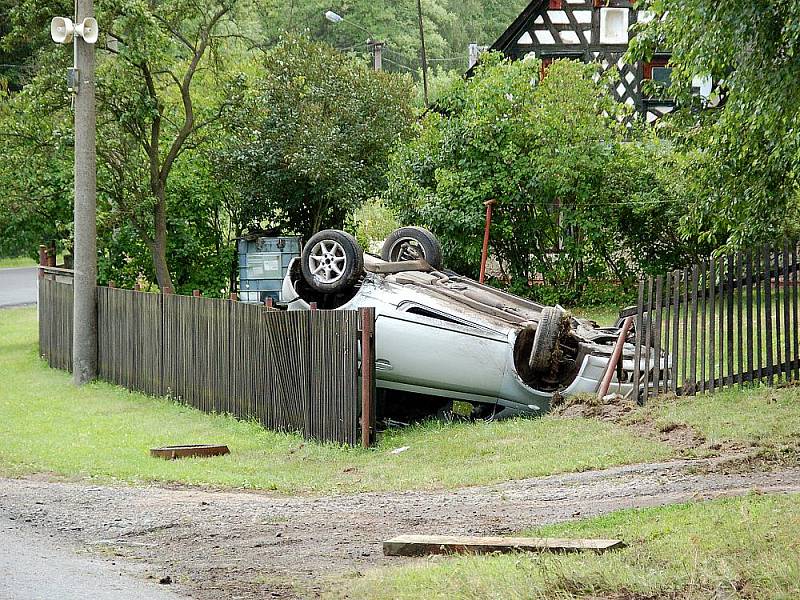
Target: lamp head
x: 333, y: 17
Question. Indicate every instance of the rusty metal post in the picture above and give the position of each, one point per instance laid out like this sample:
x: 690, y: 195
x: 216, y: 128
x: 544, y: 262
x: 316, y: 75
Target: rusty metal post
x: 313, y: 306
x: 166, y: 290
x: 268, y: 302
x: 234, y: 297
x: 137, y: 287
x: 367, y: 315
x: 42, y: 259
x: 485, y: 252
x: 196, y: 293
x: 615, y: 356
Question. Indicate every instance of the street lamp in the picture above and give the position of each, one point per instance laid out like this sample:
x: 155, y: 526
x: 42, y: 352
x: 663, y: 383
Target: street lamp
x: 376, y: 46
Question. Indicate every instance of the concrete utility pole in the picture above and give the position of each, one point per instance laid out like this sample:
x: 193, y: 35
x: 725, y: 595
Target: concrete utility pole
x: 84, y: 339
x: 423, y: 56
x: 377, y: 54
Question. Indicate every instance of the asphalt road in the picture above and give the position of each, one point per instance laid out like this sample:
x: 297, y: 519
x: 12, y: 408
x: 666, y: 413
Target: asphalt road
x: 17, y: 286
x: 34, y: 567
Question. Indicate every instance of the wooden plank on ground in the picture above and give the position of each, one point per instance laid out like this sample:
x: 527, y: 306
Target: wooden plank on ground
x: 421, y: 545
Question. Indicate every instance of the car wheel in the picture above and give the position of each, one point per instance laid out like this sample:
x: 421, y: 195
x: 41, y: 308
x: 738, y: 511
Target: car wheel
x: 545, y: 340
x: 332, y: 261
x: 412, y: 243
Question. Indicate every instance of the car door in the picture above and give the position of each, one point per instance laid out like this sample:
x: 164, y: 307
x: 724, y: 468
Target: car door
x: 419, y: 346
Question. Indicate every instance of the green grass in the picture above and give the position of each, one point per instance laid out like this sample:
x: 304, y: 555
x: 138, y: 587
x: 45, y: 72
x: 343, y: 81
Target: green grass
x: 696, y: 550
x: 761, y: 416
x: 103, y: 431
x: 13, y: 263
x: 604, y: 316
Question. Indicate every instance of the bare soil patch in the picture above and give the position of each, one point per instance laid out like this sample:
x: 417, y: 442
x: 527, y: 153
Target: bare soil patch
x: 215, y: 544
x: 621, y: 411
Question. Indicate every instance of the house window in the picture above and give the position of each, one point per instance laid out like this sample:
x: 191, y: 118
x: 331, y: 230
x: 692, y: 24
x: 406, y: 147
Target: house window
x: 555, y: 5
x: 662, y: 75
x: 658, y: 71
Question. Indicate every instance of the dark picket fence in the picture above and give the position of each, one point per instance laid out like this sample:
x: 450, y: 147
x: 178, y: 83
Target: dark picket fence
x: 291, y: 371
x: 726, y: 322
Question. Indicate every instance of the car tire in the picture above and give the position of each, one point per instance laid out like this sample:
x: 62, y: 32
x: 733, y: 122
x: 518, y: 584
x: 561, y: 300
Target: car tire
x: 545, y: 340
x: 332, y: 261
x: 412, y: 243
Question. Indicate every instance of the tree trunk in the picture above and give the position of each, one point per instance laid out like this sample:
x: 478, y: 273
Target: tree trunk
x: 159, y: 246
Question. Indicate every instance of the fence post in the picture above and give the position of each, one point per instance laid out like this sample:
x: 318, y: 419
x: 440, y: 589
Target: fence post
x: 196, y: 293
x: 42, y: 259
x: 367, y: 318
x: 637, y: 353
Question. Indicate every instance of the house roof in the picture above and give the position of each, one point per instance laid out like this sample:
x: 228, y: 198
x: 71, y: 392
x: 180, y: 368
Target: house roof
x: 518, y: 26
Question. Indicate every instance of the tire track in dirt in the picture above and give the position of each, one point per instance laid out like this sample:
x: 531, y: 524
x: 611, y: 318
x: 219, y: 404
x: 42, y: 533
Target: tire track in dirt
x: 238, y: 544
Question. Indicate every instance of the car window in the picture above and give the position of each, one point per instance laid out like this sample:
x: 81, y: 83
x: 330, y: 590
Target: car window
x: 425, y: 311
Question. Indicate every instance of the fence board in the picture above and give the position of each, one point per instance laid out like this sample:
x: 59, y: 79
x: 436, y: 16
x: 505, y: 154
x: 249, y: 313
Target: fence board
x: 676, y: 278
x: 777, y: 318
x: 657, y: 332
x: 768, y: 314
x: 785, y: 297
x: 739, y: 324
x: 703, y: 353
x: 648, y: 335
x: 693, y: 339
x: 749, y: 302
x: 712, y: 286
x: 795, y: 326
x: 637, y: 355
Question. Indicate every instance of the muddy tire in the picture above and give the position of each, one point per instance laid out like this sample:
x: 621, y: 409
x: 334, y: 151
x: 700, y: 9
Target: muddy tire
x: 332, y: 261
x: 545, y: 341
x: 412, y: 243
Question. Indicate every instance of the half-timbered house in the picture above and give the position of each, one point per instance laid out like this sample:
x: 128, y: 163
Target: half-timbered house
x: 591, y: 31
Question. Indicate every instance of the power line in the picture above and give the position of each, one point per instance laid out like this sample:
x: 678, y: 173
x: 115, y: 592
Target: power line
x: 389, y: 60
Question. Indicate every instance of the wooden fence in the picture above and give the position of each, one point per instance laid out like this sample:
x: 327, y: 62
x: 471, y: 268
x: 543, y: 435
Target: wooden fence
x: 291, y: 371
x: 727, y: 322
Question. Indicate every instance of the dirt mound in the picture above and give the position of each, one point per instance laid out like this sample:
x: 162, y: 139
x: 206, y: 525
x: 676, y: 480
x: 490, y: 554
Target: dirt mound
x: 619, y: 410
x: 588, y: 406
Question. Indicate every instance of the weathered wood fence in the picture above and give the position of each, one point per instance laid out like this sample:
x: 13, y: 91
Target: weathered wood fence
x: 726, y: 322
x: 291, y: 371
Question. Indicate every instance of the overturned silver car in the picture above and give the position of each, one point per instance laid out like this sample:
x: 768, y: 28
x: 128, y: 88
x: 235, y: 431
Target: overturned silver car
x: 444, y: 335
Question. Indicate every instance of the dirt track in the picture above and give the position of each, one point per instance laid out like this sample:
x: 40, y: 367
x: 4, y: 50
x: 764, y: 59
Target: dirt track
x: 252, y: 545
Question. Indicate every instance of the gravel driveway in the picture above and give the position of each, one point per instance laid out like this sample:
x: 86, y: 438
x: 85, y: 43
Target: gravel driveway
x: 215, y: 544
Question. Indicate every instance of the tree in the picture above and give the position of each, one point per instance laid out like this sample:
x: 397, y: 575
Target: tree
x: 36, y: 143
x: 542, y: 149
x: 746, y: 153
x: 580, y: 198
x: 149, y: 110
x: 311, y: 139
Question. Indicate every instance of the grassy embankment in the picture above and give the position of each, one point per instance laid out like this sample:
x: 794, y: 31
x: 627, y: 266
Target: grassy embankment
x: 103, y: 431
